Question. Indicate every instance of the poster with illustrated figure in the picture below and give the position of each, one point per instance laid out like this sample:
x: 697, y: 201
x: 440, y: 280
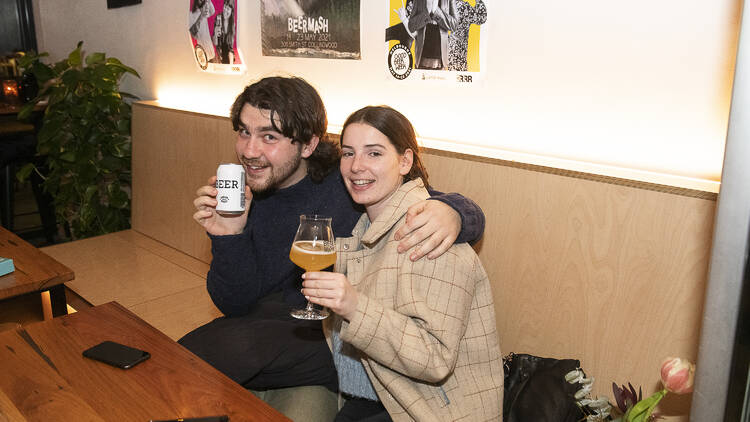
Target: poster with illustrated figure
x: 436, y: 40
x: 212, y: 25
x: 326, y: 29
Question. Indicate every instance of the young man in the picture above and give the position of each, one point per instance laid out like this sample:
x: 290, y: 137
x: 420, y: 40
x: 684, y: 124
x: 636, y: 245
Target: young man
x: 291, y: 169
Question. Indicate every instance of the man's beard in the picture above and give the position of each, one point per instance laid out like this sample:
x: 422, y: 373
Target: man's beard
x: 277, y: 174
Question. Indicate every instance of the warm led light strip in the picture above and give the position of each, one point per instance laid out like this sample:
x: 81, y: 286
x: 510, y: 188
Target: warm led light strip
x: 662, y: 182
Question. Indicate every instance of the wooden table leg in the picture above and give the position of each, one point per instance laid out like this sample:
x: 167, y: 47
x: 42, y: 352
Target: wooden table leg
x: 57, y: 298
x: 7, y: 195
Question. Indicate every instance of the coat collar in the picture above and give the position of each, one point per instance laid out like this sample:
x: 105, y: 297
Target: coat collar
x: 405, y: 196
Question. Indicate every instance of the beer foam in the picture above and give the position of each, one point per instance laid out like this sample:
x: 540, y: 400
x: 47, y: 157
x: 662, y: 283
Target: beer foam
x: 306, y: 246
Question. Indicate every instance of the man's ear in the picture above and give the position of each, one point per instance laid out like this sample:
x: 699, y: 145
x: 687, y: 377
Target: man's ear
x: 309, y: 148
x: 406, y: 160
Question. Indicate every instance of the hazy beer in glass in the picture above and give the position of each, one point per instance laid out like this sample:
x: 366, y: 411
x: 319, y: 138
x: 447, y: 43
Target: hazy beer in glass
x: 313, y: 249
x: 312, y: 256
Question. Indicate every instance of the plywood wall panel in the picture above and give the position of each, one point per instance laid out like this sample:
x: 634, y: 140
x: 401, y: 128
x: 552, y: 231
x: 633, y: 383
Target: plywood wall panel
x: 174, y: 153
x: 612, y: 275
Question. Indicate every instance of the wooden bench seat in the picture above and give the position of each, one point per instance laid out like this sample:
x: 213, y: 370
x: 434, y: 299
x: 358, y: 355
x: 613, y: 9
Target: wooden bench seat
x: 160, y: 284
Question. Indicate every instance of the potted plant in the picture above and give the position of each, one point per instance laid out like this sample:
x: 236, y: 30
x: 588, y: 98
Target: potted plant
x: 85, y: 139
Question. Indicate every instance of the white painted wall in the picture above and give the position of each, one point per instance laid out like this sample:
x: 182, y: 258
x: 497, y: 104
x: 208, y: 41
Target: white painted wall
x: 641, y: 84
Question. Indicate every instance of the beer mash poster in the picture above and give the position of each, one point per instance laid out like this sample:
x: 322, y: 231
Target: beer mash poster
x: 436, y: 40
x: 327, y: 29
x: 212, y: 25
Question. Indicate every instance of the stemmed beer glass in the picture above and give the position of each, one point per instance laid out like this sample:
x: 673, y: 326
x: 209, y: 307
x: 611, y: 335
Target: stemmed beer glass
x: 313, y: 249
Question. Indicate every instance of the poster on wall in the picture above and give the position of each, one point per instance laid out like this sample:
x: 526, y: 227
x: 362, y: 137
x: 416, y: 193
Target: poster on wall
x: 212, y: 25
x: 326, y: 29
x: 436, y: 40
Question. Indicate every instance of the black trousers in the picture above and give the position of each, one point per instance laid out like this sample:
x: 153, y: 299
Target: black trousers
x: 363, y: 410
x: 266, y: 349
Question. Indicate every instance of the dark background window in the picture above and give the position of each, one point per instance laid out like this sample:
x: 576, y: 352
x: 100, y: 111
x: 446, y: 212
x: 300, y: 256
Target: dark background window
x: 16, y: 26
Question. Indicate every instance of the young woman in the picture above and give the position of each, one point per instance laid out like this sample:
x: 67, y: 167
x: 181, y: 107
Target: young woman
x: 199, y: 14
x: 224, y: 33
x: 411, y: 340
x: 431, y: 21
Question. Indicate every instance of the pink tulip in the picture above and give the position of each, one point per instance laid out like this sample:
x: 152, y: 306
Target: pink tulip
x: 677, y: 375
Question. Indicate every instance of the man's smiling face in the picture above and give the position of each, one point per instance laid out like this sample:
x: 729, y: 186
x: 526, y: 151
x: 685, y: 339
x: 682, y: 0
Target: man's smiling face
x: 271, y: 160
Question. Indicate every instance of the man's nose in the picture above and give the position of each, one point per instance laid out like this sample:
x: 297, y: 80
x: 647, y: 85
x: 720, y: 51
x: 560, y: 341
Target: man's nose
x: 252, y: 148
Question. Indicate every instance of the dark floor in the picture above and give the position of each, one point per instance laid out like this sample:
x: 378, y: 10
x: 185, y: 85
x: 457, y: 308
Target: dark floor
x: 27, y: 223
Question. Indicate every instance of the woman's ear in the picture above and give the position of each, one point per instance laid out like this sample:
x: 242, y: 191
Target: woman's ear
x: 406, y: 160
x: 309, y: 148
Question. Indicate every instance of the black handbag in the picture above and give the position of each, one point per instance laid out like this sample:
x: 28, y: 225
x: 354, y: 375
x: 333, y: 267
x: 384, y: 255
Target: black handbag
x: 536, y: 390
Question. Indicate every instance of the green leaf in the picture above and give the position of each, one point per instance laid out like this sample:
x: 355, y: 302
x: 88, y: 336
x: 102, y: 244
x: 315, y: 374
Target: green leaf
x: 68, y: 156
x: 88, y: 172
x: 643, y: 409
x: 27, y: 60
x: 60, y: 67
x: 24, y: 172
x: 57, y: 96
x: 95, y: 58
x: 90, y: 192
x: 123, y: 125
x: 116, y: 63
x: 118, y: 198
x: 74, y: 58
x: 103, y: 84
x: 26, y: 110
x: 111, y: 163
x: 71, y: 77
x: 42, y: 73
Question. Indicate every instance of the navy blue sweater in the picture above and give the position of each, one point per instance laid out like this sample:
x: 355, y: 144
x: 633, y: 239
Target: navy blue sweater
x: 255, y: 263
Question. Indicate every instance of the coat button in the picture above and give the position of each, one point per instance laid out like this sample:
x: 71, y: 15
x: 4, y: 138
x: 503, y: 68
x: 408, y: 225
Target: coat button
x: 346, y: 247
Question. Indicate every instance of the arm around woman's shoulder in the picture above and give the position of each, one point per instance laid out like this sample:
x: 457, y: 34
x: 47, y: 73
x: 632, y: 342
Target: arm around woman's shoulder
x: 472, y: 216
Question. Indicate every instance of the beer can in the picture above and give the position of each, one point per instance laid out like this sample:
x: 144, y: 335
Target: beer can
x: 230, y: 184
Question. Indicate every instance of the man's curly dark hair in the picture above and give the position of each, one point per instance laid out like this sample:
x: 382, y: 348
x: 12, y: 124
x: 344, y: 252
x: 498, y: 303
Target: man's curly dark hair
x: 297, y: 106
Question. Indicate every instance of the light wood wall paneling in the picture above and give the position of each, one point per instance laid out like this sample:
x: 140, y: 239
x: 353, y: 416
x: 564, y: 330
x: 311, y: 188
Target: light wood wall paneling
x: 174, y: 153
x: 612, y: 275
x: 608, y: 271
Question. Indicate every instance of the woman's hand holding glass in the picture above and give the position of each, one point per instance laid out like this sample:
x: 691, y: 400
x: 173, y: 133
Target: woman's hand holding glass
x: 331, y: 290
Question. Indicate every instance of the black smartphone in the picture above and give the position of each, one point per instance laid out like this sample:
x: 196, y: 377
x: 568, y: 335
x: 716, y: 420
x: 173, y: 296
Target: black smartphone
x: 116, y: 354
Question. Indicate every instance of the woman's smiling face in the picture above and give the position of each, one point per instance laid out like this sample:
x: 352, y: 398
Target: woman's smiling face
x: 371, y: 166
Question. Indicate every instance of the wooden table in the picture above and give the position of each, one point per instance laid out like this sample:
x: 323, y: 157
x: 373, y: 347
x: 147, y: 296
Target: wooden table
x: 35, y: 272
x: 13, y: 109
x: 44, y: 377
x: 14, y: 127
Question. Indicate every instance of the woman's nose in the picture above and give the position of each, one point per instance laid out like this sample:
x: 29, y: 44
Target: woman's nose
x: 357, y: 164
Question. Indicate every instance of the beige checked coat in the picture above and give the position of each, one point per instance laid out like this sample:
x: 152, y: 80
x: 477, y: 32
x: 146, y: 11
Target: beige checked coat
x: 426, y: 329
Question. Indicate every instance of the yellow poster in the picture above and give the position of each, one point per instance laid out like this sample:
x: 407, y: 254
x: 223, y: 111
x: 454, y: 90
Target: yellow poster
x: 435, y: 39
